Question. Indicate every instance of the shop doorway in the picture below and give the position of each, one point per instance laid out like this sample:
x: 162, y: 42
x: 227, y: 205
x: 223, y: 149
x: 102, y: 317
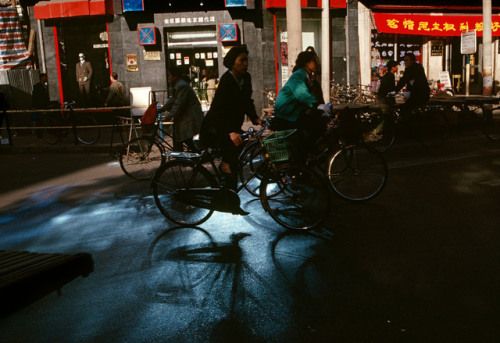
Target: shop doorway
x: 194, y: 51
x: 93, y: 43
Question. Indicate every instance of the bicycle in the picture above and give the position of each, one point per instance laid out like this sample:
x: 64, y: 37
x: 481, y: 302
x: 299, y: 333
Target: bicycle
x: 355, y: 170
x: 141, y: 156
x: 428, y: 123
x: 56, y: 126
x: 187, y: 192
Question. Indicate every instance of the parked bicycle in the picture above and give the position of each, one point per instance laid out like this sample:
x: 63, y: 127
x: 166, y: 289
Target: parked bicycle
x: 57, y: 125
x: 141, y: 156
x: 189, y: 188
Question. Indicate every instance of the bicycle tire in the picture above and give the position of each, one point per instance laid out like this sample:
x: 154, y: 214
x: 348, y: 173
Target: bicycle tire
x: 87, y: 130
x: 303, y: 199
x: 357, y: 172
x: 491, y: 125
x: 251, y: 158
x: 177, y: 174
x: 431, y: 127
x: 48, y: 135
x: 141, y: 157
x: 379, y: 130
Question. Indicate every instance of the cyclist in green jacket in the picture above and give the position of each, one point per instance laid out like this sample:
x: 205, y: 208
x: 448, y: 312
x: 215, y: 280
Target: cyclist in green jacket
x: 296, y: 107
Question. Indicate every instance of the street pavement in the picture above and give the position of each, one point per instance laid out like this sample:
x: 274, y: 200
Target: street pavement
x: 419, y: 263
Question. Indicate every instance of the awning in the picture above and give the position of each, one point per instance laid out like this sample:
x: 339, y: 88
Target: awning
x: 433, y: 25
x: 305, y: 3
x: 72, y: 8
x: 13, y: 53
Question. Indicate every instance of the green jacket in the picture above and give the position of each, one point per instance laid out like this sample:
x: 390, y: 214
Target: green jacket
x: 294, y: 97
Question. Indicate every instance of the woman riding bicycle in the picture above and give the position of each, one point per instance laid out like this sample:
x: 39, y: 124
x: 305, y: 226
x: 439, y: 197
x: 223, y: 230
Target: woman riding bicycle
x: 221, y: 127
x: 296, y: 106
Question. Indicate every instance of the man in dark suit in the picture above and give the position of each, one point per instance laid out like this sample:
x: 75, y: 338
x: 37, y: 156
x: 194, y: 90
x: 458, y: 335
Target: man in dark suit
x: 83, y: 77
x: 40, y: 100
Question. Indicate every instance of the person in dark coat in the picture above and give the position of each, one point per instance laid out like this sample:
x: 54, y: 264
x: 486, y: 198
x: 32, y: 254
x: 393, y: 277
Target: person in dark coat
x: 40, y: 100
x: 415, y: 81
x: 221, y: 127
x: 184, y: 109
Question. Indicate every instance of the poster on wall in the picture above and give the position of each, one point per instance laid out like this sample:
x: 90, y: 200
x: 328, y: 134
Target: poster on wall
x: 186, y: 59
x: 179, y: 62
x: 209, y: 63
x: 132, y: 62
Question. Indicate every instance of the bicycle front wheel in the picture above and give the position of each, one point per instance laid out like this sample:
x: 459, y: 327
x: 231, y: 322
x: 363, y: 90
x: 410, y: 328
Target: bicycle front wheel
x: 141, y: 157
x: 251, y: 159
x: 295, y: 197
x: 181, y: 174
x: 87, y: 130
x: 431, y: 127
x: 491, y: 124
x: 357, y: 172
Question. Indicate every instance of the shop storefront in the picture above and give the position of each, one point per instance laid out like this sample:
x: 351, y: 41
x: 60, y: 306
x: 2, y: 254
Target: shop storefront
x: 435, y: 39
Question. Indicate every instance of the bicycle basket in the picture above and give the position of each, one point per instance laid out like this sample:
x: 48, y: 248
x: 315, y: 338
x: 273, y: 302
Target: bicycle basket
x: 277, y: 146
x: 349, y: 126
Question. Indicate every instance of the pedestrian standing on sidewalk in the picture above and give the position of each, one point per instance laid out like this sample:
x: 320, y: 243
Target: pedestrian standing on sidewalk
x: 116, y: 95
x: 40, y: 100
x: 184, y: 108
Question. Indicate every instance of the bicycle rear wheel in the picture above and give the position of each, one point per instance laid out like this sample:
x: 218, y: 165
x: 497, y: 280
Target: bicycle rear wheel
x: 141, y: 157
x: 491, y: 124
x: 295, y: 197
x: 181, y: 174
x: 357, y: 172
x: 431, y: 127
x: 87, y: 130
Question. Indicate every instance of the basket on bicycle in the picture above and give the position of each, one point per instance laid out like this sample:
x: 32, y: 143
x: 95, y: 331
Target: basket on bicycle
x: 277, y: 145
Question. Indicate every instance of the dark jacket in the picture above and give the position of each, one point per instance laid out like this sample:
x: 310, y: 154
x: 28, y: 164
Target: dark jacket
x: 229, y: 107
x: 416, y: 83
x: 185, y: 109
x: 40, y: 96
x: 116, y: 95
x: 387, y: 85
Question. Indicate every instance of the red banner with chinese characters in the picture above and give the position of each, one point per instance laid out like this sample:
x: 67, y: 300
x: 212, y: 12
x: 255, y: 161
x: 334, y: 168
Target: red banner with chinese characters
x: 433, y: 25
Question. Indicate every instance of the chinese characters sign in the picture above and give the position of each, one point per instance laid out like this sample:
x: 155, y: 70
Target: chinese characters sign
x: 431, y: 25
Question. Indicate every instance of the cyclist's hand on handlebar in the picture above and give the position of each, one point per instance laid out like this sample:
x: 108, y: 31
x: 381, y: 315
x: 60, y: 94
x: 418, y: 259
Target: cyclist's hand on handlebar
x: 326, y: 109
x: 236, y: 138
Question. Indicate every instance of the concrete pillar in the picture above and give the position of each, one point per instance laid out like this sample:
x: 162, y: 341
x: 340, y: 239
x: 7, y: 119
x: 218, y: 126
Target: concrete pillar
x: 294, y: 30
x: 325, y: 50
x: 487, y: 49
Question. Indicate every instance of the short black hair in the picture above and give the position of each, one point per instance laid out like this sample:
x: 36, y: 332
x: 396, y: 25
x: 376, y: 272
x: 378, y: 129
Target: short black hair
x: 391, y: 64
x: 114, y: 75
x: 412, y: 57
x: 43, y: 75
x: 174, y: 70
x: 303, y: 58
x: 233, y: 54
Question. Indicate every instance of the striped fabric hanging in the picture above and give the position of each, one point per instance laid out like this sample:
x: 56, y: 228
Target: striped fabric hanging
x: 13, y: 52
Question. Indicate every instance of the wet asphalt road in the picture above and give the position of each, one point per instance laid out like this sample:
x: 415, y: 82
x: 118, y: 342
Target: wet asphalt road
x: 418, y: 263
